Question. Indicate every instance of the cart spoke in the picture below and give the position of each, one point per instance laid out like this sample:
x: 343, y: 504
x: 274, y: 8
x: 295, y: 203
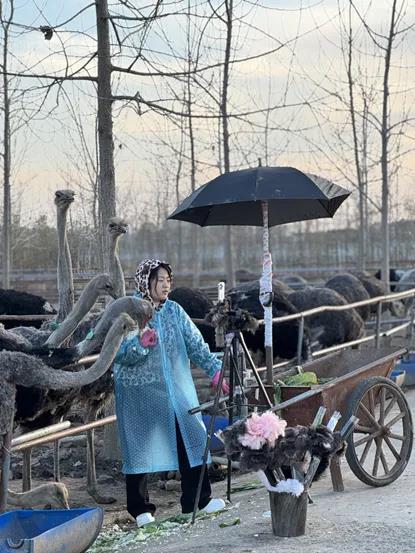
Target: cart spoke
x: 377, y: 457
x: 365, y: 452
x: 369, y: 414
x: 371, y: 401
x: 384, y: 462
x: 390, y: 406
x: 364, y: 440
x: 395, y: 420
x: 397, y: 437
x: 359, y: 429
x: 392, y: 448
x: 382, y: 405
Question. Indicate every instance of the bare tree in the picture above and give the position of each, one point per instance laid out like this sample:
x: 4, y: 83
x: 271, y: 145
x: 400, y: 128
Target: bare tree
x: 7, y: 206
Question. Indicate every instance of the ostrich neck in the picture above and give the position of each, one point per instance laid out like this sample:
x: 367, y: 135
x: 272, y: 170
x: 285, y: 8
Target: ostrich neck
x: 65, y: 276
x: 115, y: 268
x: 82, y: 307
x: 41, y: 376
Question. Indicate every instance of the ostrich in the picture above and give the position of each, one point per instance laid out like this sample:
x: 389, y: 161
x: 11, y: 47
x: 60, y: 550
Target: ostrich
x: 25, y: 339
x: 63, y: 199
x: 14, y: 302
x: 331, y: 327
x: 285, y: 335
x: 31, y: 409
x: 53, y: 494
x: 18, y: 368
x: 296, y: 282
x: 197, y: 305
x: 395, y: 276
x: 373, y: 285
x: 100, y: 284
x: 116, y: 228
x: 352, y: 289
x: 36, y: 408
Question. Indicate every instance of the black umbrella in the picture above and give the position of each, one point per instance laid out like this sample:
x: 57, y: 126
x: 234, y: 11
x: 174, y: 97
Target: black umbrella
x: 262, y: 196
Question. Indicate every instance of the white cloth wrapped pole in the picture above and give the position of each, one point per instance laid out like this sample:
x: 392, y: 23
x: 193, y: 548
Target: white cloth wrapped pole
x: 265, y: 291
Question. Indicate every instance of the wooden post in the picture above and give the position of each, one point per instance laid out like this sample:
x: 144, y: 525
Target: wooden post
x: 27, y: 470
x: 336, y: 474
x: 288, y: 514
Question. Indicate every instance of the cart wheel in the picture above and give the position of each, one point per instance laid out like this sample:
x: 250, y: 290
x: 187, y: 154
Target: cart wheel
x: 380, y: 446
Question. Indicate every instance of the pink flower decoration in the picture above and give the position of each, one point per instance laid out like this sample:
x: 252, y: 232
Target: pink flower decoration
x: 261, y: 429
x: 148, y: 338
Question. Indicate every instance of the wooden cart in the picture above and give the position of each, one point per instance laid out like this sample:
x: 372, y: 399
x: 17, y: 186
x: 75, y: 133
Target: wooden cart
x: 379, y: 448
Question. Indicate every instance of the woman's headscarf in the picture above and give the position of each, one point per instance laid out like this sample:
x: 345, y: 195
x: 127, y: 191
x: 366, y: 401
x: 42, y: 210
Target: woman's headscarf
x: 142, y: 276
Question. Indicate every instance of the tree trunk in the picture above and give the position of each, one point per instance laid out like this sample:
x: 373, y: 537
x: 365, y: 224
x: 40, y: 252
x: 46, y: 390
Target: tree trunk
x: 384, y: 155
x: 356, y: 149
x: 106, y: 184
x: 7, y: 216
x: 229, y: 266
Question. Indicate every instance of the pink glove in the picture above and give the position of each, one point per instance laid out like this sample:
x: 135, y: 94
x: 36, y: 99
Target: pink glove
x: 148, y: 338
x: 215, y: 382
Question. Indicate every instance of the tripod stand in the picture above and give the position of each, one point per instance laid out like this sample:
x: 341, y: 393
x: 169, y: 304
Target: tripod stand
x: 235, y: 350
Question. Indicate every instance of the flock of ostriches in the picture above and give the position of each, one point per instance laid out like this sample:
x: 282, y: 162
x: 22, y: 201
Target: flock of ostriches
x: 41, y: 379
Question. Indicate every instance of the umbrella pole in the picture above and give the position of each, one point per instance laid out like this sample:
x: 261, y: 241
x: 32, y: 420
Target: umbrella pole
x: 265, y: 293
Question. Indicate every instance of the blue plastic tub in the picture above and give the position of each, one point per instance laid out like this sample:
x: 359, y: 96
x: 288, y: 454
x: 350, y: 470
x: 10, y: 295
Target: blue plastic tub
x: 398, y: 376
x: 407, y: 364
x: 220, y: 423
x: 56, y: 531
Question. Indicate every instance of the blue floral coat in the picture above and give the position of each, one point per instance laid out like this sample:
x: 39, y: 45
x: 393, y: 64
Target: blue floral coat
x: 153, y: 386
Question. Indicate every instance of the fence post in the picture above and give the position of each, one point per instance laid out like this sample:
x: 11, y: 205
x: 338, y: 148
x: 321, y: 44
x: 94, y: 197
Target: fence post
x: 378, y: 324
x: 300, y: 341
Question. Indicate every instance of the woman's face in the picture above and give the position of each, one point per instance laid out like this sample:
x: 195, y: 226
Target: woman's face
x: 160, y: 286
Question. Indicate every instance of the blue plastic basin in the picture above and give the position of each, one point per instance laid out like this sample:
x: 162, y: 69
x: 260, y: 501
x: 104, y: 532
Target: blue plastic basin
x: 55, y: 531
x: 408, y: 365
x: 220, y: 423
x: 398, y: 376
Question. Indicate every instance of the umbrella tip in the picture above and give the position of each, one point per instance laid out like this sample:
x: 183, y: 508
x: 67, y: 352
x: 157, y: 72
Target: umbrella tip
x: 259, y: 162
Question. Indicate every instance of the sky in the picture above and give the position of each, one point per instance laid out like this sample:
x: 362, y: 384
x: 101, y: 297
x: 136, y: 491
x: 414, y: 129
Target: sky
x: 304, y: 80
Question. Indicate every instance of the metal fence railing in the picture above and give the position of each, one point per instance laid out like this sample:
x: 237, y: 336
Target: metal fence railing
x: 43, y: 436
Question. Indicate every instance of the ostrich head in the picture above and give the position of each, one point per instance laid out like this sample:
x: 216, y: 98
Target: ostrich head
x: 104, y: 285
x: 117, y: 226
x: 64, y: 198
x: 144, y: 313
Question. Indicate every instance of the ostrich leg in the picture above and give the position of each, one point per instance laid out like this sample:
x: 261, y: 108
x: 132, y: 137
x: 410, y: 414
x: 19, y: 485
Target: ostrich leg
x: 92, y: 484
x: 6, y: 448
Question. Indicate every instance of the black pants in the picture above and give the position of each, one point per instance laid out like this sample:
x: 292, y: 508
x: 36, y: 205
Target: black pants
x: 138, y: 500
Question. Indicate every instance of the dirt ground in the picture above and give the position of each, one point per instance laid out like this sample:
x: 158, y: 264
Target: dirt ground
x: 373, y: 520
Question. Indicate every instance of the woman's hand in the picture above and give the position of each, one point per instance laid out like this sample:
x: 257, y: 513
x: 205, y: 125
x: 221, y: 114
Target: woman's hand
x: 148, y: 338
x: 215, y: 382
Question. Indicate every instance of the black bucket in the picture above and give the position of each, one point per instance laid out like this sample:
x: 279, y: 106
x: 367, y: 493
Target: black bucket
x: 288, y: 514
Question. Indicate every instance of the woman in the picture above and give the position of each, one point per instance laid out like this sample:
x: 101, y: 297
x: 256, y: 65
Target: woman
x: 154, y: 390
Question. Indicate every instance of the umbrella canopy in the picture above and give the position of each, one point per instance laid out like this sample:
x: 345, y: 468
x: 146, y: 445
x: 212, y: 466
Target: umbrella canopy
x: 236, y: 198
x: 262, y: 196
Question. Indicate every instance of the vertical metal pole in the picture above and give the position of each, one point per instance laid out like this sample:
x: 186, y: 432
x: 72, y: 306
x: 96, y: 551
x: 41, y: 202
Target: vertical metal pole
x: 210, y: 431
x: 378, y: 325
x: 410, y: 331
x: 300, y: 341
x: 233, y: 368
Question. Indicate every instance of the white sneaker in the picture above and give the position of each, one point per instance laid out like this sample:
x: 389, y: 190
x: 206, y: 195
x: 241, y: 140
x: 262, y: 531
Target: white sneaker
x: 216, y: 504
x: 143, y: 519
